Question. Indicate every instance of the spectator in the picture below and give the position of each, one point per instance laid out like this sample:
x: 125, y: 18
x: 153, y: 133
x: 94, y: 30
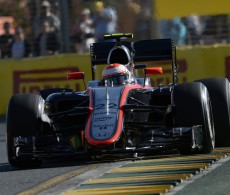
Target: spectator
x: 83, y: 33
x: 6, y: 40
x: 55, y: 9
x: 104, y: 19
x: 144, y: 21
x: 127, y: 14
x: 195, y: 29
x: 46, y: 14
x: 46, y: 42
x: 174, y: 29
x: 20, y: 46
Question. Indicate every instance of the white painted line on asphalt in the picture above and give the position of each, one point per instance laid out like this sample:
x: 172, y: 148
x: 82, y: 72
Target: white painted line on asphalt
x: 199, y: 175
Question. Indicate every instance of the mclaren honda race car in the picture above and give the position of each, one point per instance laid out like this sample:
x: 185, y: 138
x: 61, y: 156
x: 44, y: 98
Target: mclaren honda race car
x: 120, y: 113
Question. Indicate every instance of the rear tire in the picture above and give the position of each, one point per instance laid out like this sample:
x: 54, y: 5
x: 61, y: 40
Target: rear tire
x: 192, y: 107
x: 23, y: 119
x: 219, y: 91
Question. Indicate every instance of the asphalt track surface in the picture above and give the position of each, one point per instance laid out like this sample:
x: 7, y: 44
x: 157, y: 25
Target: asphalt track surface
x: 166, y: 174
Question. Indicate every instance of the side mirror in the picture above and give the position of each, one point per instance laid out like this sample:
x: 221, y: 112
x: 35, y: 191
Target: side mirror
x: 76, y: 76
x: 153, y: 71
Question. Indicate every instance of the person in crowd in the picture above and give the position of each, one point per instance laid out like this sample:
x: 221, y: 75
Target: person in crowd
x: 46, y: 14
x: 20, y: 47
x: 6, y: 40
x: 55, y: 9
x: 128, y: 13
x: 47, y: 42
x: 174, y: 29
x: 104, y: 19
x: 83, y: 33
x: 144, y: 21
x: 195, y: 27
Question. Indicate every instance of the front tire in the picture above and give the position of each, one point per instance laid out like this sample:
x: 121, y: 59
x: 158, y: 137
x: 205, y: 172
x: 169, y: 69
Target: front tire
x: 23, y: 119
x: 192, y: 107
x: 219, y: 91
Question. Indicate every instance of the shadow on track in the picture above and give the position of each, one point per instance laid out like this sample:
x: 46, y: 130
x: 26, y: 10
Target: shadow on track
x: 70, y: 162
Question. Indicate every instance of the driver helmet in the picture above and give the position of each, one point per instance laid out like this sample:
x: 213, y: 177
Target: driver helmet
x: 116, y: 74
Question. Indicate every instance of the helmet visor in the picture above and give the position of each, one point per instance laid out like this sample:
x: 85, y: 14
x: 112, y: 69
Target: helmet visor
x: 115, y: 80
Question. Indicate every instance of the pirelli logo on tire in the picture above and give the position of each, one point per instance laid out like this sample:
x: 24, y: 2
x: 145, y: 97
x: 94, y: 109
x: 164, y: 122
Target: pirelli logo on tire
x: 27, y: 81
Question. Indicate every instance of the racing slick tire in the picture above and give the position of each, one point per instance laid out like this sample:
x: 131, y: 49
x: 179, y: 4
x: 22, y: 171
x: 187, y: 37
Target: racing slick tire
x: 219, y: 92
x: 23, y: 119
x: 192, y: 107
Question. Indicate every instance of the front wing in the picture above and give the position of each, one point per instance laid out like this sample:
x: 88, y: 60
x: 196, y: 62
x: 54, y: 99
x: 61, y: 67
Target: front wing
x: 183, y: 139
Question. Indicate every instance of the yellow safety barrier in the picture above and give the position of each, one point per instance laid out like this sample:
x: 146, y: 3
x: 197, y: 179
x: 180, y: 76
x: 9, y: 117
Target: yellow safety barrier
x: 167, y: 9
x: 31, y: 74
x: 197, y: 62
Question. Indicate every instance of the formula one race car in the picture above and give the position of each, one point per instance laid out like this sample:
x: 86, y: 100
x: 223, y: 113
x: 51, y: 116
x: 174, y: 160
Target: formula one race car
x: 120, y: 114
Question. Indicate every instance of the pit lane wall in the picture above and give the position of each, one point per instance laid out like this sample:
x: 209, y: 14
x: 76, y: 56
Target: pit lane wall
x: 32, y: 74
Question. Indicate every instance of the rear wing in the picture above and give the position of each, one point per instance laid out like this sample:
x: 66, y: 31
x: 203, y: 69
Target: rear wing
x: 99, y: 52
x: 143, y: 51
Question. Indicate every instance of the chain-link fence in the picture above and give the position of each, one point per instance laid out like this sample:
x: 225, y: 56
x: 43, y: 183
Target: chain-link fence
x: 67, y: 26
